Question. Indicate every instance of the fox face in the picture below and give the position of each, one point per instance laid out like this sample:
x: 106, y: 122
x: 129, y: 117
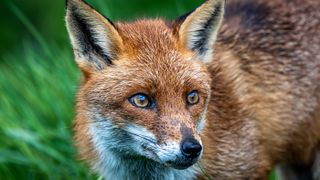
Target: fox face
x: 156, y: 111
x: 146, y: 85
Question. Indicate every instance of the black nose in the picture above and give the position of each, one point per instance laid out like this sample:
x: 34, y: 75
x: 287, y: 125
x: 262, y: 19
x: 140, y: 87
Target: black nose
x: 191, y: 148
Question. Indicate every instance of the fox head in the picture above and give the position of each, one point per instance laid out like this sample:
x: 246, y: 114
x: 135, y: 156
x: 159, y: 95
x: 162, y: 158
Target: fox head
x: 146, y: 85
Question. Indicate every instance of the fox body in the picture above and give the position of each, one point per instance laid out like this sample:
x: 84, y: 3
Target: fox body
x: 234, y: 87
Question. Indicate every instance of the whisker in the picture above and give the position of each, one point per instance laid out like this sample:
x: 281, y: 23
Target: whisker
x: 113, y: 127
x: 95, y: 121
x: 141, y: 136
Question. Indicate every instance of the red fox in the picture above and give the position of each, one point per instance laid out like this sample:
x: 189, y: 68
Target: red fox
x: 228, y: 91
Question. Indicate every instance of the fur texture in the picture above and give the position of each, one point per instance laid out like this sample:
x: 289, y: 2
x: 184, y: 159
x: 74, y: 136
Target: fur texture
x: 258, y: 78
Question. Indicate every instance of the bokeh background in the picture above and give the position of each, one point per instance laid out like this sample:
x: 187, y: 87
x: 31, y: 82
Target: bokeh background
x: 38, y: 81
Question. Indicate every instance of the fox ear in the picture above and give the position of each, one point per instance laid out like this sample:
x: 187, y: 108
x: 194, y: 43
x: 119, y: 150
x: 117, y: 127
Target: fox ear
x: 94, y: 38
x: 198, y: 30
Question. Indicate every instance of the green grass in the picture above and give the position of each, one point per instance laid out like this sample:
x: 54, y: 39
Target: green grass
x: 35, y: 116
x: 38, y: 84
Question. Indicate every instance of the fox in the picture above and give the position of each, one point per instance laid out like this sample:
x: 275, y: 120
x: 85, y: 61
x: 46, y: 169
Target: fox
x: 230, y: 90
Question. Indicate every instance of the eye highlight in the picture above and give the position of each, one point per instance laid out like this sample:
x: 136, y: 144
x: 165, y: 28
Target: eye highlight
x: 141, y: 101
x: 193, y: 98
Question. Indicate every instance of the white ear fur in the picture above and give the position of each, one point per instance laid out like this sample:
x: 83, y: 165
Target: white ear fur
x: 95, y: 40
x: 198, y: 31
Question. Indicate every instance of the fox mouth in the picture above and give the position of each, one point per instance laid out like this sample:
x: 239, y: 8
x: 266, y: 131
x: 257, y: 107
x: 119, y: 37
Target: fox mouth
x: 177, y: 155
x: 181, y: 163
x: 178, y: 162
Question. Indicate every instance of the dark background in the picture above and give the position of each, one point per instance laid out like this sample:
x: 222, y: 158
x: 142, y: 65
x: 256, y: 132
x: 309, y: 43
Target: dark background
x: 47, y: 16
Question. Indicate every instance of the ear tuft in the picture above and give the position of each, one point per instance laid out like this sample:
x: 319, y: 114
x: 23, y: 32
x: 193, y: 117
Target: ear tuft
x: 198, y: 30
x: 94, y: 38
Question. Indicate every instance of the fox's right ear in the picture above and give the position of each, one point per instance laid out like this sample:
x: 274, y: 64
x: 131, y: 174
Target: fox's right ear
x: 94, y: 38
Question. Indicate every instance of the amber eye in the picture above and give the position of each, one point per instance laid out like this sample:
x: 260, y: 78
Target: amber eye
x: 193, y: 98
x: 141, y: 101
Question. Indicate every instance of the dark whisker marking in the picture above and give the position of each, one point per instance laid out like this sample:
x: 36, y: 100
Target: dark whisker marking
x: 84, y: 123
x: 143, y: 137
x: 113, y: 127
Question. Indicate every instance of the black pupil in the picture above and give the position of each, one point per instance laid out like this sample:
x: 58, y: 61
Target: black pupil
x: 141, y: 99
x: 192, y: 97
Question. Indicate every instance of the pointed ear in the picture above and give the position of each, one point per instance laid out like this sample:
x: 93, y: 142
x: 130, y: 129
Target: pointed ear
x: 94, y: 38
x: 198, y: 30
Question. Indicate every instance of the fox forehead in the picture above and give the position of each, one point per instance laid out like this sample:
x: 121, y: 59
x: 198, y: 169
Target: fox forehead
x: 147, y: 35
x: 152, y: 60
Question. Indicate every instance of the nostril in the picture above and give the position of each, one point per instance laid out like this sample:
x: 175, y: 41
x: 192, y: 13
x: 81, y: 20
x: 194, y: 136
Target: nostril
x: 191, y: 148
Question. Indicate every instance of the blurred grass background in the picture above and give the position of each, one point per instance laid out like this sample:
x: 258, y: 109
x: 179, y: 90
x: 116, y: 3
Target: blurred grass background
x: 38, y: 80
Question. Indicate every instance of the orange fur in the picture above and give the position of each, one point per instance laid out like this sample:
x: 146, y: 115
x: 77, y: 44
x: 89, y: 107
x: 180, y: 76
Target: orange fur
x: 260, y: 91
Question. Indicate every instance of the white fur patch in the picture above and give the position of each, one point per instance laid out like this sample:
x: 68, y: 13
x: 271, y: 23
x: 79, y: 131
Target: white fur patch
x: 114, y: 163
x: 168, y: 151
x: 202, y: 122
x: 141, y: 131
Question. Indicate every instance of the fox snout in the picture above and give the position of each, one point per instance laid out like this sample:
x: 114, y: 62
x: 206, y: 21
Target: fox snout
x: 187, y: 154
x: 190, y: 151
x: 180, y: 148
x: 191, y: 148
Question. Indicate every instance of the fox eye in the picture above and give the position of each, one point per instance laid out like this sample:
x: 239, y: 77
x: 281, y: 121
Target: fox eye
x: 141, y: 101
x: 193, y: 98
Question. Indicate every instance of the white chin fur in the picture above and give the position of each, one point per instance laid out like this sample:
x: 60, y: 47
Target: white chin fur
x: 114, y: 164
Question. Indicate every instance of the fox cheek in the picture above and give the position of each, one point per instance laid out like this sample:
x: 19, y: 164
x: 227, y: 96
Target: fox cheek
x: 200, y: 124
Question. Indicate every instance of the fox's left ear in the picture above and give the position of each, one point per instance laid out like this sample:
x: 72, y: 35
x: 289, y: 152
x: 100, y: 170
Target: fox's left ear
x: 198, y: 30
